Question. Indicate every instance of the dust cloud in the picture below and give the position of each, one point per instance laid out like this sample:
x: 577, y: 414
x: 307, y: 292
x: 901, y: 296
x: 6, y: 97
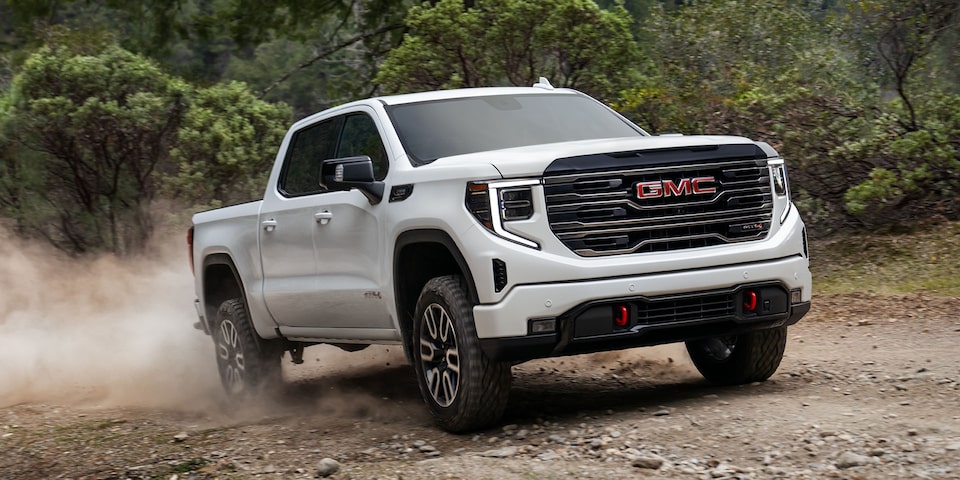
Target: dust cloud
x: 119, y: 333
x: 102, y: 331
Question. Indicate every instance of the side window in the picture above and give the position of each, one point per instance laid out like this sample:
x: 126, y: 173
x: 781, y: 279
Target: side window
x: 360, y: 137
x: 309, y: 147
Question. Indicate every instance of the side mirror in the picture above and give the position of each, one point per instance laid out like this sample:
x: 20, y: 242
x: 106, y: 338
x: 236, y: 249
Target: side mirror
x: 352, y: 172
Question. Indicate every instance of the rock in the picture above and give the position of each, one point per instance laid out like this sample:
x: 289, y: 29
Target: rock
x: 501, y: 452
x: 327, y: 467
x: 850, y: 459
x: 660, y: 413
x: 953, y: 447
x: 547, y: 456
x: 180, y: 437
x: 877, y: 452
x: 650, y: 462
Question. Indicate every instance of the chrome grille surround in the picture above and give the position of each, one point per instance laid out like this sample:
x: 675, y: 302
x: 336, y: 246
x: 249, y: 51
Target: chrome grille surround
x: 599, y: 214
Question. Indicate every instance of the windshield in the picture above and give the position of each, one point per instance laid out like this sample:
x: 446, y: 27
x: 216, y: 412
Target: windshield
x: 442, y: 128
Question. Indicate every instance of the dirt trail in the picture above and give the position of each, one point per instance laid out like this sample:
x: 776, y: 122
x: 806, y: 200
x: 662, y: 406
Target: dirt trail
x: 103, y: 377
x: 869, y: 388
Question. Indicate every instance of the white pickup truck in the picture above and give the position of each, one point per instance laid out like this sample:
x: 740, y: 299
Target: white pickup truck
x: 480, y: 228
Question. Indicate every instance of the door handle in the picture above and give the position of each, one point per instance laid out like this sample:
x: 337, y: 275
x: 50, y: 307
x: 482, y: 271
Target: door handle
x: 323, y: 217
x: 269, y: 225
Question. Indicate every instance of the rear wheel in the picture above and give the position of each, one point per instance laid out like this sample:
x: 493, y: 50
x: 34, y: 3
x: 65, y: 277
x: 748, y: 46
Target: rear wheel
x: 247, y: 363
x: 738, y: 359
x: 463, y: 389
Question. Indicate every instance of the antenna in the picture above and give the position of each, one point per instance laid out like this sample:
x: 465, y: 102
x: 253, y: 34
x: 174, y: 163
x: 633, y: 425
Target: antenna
x: 543, y: 83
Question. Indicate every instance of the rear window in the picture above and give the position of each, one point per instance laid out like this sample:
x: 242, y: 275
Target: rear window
x: 443, y: 128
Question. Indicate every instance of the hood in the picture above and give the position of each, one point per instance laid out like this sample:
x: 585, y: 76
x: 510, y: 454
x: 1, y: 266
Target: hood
x: 533, y: 160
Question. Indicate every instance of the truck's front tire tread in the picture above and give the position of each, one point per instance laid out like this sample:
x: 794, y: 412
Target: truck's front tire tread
x: 753, y: 357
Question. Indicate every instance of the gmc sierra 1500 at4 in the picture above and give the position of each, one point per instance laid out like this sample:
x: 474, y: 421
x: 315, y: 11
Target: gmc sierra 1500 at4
x: 480, y: 228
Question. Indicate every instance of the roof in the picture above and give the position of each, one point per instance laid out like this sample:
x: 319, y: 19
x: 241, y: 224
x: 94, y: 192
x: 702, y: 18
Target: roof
x: 467, y: 92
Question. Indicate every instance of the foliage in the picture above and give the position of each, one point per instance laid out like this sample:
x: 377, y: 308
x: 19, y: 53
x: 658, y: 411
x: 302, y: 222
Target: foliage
x: 764, y: 70
x: 101, y: 123
x: 905, y: 32
x: 573, y: 43
x: 93, y: 132
x: 912, y: 172
x: 143, y: 26
x: 908, y: 149
x: 707, y: 59
x: 226, y: 146
x: 793, y: 77
x: 862, y: 97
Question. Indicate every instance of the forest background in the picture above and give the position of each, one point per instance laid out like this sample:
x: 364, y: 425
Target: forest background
x: 115, y: 113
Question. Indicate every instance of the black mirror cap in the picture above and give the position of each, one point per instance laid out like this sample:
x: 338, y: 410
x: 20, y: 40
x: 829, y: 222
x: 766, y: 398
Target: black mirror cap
x: 352, y: 172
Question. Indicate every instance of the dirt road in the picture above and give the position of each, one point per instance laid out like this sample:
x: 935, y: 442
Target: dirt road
x: 869, y: 388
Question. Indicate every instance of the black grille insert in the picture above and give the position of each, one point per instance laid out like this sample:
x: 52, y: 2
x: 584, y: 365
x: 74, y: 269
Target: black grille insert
x: 660, y: 207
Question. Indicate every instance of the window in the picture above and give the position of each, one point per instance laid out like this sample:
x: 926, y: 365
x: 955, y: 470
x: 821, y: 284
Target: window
x: 309, y: 147
x: 360, y: 137
x: 457, y: 126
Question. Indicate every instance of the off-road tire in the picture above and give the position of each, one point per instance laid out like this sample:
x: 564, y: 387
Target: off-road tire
x: 463, y: 389
x: 248, y: 365
x: 735, y: 360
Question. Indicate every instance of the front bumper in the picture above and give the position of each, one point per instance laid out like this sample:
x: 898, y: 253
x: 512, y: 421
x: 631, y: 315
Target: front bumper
x: 505, y: 335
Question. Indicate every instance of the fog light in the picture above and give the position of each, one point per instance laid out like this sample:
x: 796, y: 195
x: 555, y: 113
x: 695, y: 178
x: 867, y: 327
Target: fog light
x: 795, y: 295
x: 545, y: 325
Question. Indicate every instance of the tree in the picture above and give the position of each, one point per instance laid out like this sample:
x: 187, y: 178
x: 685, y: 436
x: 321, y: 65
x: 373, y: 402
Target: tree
x: 909, y: 146
x: 573, y: 43
x: 94, y: 134
x: 101, y: 123
x: 906, y: 32
x: 773, y: 71
x: 226, y: 146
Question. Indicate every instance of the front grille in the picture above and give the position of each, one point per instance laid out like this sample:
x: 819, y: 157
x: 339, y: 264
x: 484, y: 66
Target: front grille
x: 600, y: 213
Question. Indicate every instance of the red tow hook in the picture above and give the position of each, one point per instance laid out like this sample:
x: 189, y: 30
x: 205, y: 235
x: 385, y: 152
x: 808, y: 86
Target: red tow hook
x: 750, y: 301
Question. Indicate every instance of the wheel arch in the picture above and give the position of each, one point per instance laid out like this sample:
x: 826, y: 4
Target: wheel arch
x: 420, y: 255
x: 221, y: 282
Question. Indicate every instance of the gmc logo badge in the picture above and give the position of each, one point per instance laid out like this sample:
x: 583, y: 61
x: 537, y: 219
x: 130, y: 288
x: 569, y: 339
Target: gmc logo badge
x: 679, y: 188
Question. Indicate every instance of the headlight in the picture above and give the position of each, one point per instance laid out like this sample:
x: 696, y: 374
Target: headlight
x: 781, y: 185
x: 496, y: 203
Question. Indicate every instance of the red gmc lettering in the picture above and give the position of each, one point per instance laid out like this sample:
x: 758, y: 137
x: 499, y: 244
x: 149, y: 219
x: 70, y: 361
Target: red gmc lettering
x: 681, y: 187
x: 671, y: 189
x: 697, y: 188
x: 649, y: 190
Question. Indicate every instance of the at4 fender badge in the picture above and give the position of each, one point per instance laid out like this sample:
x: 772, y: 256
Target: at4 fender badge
x: 679, y: 188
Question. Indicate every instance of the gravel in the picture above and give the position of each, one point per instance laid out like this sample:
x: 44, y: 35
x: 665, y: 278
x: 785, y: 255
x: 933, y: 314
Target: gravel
x: 878, y: 399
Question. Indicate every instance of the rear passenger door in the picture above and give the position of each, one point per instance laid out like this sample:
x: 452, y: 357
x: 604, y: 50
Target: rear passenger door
x: 288, y: 227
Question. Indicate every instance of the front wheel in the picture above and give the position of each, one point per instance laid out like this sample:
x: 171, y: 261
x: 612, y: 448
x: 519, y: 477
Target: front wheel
x: 247, y: 363
x: 738, y: 359
x: 463, y: 389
